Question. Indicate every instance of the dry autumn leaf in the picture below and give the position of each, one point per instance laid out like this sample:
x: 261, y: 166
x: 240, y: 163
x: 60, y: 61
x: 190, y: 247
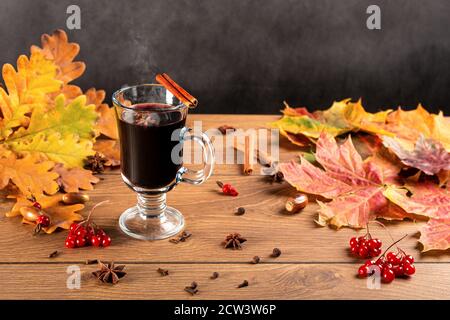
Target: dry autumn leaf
x: 297, y: 139
x: 428, y: 155
x: 354, y: 186
x: 27, y: 88
x: 426, y: 199
x: 342, y: 117
x: 57, y: 48
x: 63, y: 135
x: 61, y: 215
x: 110, y: 149
x: 106, y: 124
x: 435, y: 235
x: 407, y: 127
x: 29, y: 174
x: 74, y: 179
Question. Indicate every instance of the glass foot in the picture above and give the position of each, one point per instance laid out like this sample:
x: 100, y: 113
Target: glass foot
x: 151, y: 227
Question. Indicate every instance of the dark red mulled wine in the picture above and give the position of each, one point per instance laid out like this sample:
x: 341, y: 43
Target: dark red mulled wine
x: 146, y: 144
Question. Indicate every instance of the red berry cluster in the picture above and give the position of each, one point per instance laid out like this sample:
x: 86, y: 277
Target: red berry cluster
x: 86, y: 233
x: 81, y: 236
x: 227, y: 189
x: 365, y: 246
x: 391, y: 266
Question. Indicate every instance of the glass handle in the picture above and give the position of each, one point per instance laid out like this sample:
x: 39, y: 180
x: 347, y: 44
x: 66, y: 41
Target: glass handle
x: 197, y: 176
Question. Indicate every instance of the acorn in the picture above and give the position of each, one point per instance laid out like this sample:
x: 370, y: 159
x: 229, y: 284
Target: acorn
x: 30, y: 213
x: 75, y: 197
x: 297, y: 203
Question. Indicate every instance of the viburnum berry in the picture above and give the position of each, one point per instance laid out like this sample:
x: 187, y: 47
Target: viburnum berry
x: 34, y: 202
x: 365, y: 246
x: 227, y: 189
x: 408, y: 269
x: 87, y: 233
x: 106, y: 241
x: 80, y: 242
x: 43, y: 220
x: 408, y: 258
x: 398, y: 270
x: 363, y: 271
x: 95, y: 241
x: 391, y: 265
x: 70, y: 243
x: 73, y: 226
x: 37, y: 205
x: 387, y: 275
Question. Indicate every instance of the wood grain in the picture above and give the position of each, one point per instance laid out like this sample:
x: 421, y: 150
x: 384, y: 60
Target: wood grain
x: 266, y: 281
x: 314, y: 263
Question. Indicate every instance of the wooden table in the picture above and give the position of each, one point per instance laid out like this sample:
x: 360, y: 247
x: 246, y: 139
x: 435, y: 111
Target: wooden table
x: 314, y: 264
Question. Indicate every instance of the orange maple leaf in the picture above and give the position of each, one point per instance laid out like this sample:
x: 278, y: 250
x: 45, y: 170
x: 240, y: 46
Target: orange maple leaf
x: 408, y: 126
x: 355, y: 187
x: 426, y: 199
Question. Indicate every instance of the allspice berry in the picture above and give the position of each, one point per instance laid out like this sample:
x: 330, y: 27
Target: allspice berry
x: 75, y: 197
x: 297, y: 203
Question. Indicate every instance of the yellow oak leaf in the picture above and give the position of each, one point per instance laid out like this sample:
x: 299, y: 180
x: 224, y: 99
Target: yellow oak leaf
x: 64, y: 134
x: 74, y: 179
x: 27, y: 88
x: 29, y: 174
x: 68, y: 149
x: 107, y: 123
x: 57, y: 48
x: 61, y: 215
x: 110, y: 149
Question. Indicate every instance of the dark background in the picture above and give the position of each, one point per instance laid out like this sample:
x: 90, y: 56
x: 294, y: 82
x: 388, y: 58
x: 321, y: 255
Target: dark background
x: 247, y: 56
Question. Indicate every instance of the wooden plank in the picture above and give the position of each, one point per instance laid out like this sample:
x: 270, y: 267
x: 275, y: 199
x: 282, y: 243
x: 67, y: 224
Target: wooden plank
x: 210, y: 217
x: 266, y: 281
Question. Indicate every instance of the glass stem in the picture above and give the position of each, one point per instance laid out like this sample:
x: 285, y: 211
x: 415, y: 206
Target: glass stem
x: 151, y: 206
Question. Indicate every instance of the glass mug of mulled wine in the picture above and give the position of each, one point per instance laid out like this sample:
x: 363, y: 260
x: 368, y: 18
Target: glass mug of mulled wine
x: 152, y: 130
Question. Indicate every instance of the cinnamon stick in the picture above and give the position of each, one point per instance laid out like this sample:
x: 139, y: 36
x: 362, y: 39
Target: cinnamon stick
x: 249, y: 154
x: 182, y: 95
x: 263, y: 158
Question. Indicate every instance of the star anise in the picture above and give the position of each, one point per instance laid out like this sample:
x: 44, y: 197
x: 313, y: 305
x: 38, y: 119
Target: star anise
x: 95, y: 163
x: 234, y: 241
x: 182, y: 237
x: 109, y: 273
